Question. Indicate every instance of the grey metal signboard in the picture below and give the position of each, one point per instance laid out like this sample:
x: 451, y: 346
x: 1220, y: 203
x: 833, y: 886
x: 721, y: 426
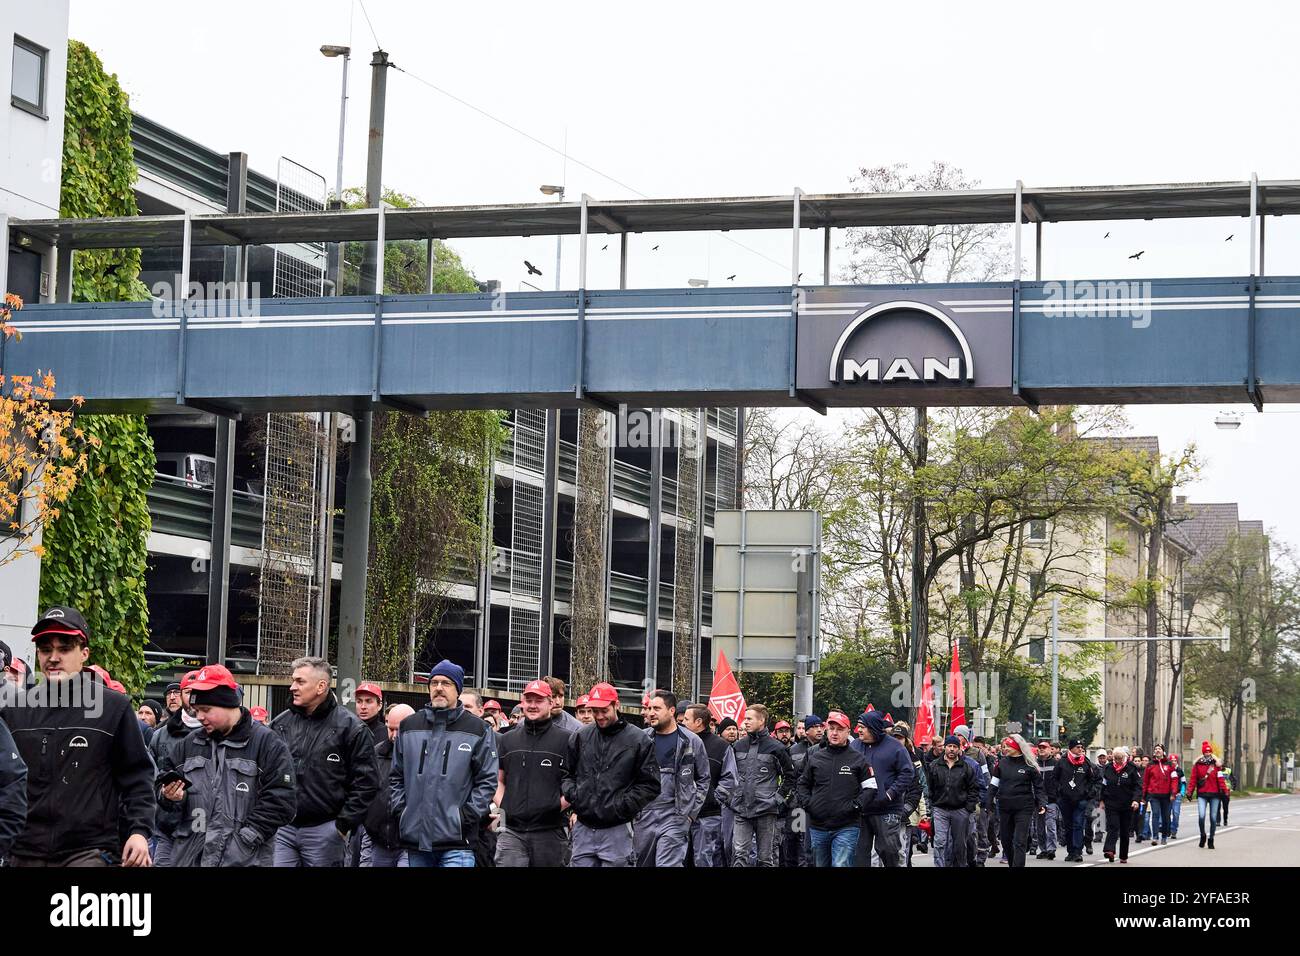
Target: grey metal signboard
x: 766, y: 589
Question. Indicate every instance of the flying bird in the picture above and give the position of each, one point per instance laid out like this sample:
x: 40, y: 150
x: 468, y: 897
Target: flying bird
x: 919, y: 257
x: 1107, y: 236
x: 1137, y: 255
x: 730, y: 277
x: 653, y: 248
x: 1229, y: 239
x: 532, y: 269
x: 604, y: 247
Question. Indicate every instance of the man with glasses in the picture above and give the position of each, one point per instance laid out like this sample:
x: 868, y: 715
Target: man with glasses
x: 444, y: 775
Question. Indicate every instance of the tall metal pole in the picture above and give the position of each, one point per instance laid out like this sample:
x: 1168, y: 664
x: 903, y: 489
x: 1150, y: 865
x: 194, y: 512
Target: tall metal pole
x: 559, y: 244
x: 235, y: 269
x: 356, y: 520
x: 918, y: 616
x: 343, y: 122
x: 1056, y: 665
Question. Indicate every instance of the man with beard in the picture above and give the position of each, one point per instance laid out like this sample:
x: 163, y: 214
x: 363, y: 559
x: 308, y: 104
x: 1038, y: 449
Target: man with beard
x: 661, y: 832
x: 710, y: 840
x: 1076, y: 778
x: 443, y: 776
x: 893, y: 776
x: 610, y: 774
x: 232, y: 781
x: 531, y: 829
x: 334, y: 762
x: 954, y: 793
x: 90, y: 781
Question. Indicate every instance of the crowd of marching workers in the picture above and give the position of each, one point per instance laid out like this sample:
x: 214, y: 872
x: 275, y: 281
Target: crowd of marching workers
x: 198, y: 779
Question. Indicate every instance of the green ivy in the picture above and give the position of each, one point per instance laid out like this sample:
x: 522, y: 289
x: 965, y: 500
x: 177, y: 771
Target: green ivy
x: 97, y: 550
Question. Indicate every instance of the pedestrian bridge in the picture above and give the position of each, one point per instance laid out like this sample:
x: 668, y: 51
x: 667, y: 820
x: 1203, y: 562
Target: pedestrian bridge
x: 1162, y: 341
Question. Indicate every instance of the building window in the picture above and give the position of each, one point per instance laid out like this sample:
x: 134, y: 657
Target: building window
x: 27, y: 84
x: 1035, y: 583
x: 1038, y: 530
x: 1036, y: 649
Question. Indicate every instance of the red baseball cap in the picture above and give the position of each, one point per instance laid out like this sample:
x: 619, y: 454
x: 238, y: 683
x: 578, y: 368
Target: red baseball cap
x: 780, y: 724
x: 188, y: 679
x: 370, y: 688
x: 213, y: 675
x: 17, y: 665
x: 258, y: 713
x: 835, y: 717
x: 107, y: 678
x: 580, y: 702
x: 492, y: 705
x: 538, y: 687
x: 602, y: 695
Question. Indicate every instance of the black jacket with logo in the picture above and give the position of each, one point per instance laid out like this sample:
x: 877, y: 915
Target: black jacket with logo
x: 89, y: 775
x: 764, y: 775
x: 831, y: 784
x: 334, y: 761
x: 1121, y: 787
x: 1019, y: 785
x: 532, y: 758
x: 611, y: 774
x: 1076, y: 784
x: 241, y: 788
x: 955, y: 787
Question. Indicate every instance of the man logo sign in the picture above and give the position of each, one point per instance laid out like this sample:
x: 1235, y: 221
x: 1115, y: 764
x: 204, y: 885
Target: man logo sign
x: 956, y: 366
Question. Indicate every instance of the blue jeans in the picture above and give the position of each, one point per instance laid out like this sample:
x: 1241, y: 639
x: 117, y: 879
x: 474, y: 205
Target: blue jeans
x: 1202, y: 802
x: 834, y: 847
x: 1160, y: 819
x: 1076, y: 816
x: 1177, y: 807
x: 439, y: 858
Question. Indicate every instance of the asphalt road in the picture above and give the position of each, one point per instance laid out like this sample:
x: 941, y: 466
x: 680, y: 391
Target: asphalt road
x: 1262, y: 831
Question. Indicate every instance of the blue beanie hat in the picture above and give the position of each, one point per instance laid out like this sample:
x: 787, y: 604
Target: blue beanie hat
x: 812, y: 720
x: 445, y: 668
x: 952, y: 740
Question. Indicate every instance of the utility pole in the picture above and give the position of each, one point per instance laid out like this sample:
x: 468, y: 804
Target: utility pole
x: 918, y: 617
x: 356, y: 519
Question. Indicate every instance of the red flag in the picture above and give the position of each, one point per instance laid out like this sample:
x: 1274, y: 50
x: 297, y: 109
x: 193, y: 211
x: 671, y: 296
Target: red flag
x: 956, y: 693
x: 725, y: 699
x: 889, y: 718
x: 925, y: 716
x: 869, y: 708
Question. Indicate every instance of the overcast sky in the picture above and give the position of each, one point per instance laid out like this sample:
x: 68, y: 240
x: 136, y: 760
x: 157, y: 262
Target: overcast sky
x: 696, y: 99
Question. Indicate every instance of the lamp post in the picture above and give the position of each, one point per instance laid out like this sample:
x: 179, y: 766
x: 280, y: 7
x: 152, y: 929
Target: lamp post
x: 332, y: 50
x: 558, y: 192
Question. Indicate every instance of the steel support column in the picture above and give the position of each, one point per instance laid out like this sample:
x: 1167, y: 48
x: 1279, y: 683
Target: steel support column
x: 550, y: 502
x: 656, y: 534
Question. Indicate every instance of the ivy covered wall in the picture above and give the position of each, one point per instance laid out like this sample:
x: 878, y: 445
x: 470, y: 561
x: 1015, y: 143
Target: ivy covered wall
x: 96, y: 550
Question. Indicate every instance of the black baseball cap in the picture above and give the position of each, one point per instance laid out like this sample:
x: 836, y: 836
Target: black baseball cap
x: 62, y: 620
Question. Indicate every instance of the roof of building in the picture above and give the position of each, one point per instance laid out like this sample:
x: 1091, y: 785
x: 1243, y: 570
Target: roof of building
x: 1208, y: 526
x: 838, y: 210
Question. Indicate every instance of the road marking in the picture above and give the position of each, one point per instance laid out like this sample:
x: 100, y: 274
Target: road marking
x: 1167, y: 846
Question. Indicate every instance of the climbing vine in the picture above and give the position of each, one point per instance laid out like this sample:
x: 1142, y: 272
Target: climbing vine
x: 96, y: 549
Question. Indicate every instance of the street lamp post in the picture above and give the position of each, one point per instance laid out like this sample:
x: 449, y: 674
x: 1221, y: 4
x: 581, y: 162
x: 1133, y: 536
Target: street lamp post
x: 331, y: 50
x: 558, y: 192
